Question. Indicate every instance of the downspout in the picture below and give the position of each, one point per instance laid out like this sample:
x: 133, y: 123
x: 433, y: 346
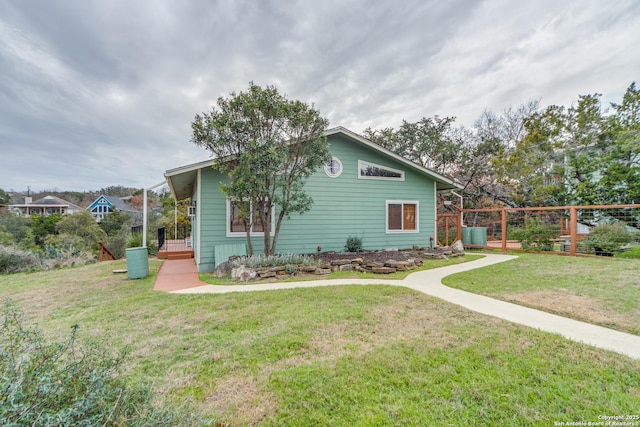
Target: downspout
x: 145, y: 214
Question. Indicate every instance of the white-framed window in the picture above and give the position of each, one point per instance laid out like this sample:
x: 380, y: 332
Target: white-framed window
x: 402, y: 216
x: 237, y: 226
x: 333, y: 168
x: 368, y: 170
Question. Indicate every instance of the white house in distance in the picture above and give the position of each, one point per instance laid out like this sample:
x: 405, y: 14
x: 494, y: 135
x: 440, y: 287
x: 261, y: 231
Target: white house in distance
x: 48, y: 205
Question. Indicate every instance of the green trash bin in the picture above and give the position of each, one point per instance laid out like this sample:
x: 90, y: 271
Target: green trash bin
x: 466, y: 235
x: 479, y: 236
x: 137, y: 263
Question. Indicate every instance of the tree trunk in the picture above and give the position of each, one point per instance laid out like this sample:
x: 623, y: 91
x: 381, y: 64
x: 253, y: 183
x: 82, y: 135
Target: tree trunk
x: 249, y: 245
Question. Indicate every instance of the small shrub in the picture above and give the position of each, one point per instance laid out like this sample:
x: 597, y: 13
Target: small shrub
x: 14, y: 260
x: 354, y: 244
x: 134, y: 240
x: 68, y: 384
x: 117, y: 244
x: 535, y: 234
x: 608, y: 237
x: 290, y: 269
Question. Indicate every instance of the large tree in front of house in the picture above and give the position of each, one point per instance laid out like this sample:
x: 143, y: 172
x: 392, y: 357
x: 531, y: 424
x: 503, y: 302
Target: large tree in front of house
x: 268, y: 146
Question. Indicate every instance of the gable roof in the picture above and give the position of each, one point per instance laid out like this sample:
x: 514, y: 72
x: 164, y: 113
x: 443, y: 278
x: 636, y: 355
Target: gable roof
x: 114, y: 202
x: 49, y: 201
x: 181, y: 180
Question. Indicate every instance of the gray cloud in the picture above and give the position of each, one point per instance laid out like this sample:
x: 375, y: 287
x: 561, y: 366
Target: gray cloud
x: 98, y: 93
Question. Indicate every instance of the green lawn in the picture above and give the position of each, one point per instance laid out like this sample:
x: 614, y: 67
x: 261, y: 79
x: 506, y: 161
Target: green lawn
x: 339, y: 356
x: 600, y: 290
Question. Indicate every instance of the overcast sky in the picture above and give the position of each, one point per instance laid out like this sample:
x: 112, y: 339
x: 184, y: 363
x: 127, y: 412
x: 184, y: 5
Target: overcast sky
x: 95, y: 93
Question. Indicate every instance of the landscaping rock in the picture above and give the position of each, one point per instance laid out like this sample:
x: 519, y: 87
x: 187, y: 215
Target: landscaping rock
x: 404, y: 266
x: 457, y: 248
x: 222, y: 269
x: 267, y: 274
x: 340, y: 261
x: 323, y: 271
x: 383, y: 270
x: 243, y: 273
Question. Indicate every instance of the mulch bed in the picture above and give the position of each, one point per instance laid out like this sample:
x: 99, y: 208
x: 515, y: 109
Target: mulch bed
x: 382, y: 256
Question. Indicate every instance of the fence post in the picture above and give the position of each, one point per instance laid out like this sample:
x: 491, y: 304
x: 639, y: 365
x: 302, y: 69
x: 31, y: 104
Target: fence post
x: 573, y: 230
x: 504, y: 230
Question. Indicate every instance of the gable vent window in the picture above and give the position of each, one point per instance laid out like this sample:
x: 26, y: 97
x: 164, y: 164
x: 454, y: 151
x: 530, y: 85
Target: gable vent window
x: 367, y: 170
x: 333, y: 168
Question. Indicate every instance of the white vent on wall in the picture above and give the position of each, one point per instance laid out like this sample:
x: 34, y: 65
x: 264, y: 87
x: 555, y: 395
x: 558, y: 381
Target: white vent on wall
x: 192, y: 211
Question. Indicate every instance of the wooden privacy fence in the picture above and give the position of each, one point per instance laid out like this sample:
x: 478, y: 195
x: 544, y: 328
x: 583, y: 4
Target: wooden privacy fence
x: 568, y: 225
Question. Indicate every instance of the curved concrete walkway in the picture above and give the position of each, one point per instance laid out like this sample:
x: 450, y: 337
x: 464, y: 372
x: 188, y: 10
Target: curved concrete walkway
x: 430, y: 283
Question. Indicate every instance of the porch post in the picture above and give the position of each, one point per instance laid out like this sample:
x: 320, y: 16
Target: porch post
x: 144, y: 212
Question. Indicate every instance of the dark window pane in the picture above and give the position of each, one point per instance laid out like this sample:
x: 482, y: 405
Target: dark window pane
x: 395, y: 216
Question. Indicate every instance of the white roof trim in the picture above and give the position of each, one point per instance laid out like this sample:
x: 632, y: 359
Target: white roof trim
x: 390, y: 153
x: 333, y: 131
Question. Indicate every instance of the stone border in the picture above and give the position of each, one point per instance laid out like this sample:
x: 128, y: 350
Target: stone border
x: 415, y: 260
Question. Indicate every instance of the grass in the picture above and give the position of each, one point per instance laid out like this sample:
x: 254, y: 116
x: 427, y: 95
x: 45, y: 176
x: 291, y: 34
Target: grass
x: 340, y: 356
x: 599, y: 290
x: 633, y: 253
x: 210, y: 279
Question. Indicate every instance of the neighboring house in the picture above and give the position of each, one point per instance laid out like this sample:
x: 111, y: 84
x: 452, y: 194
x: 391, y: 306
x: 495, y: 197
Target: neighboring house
x: 365, y: 191
x: 48, y: 205
x: 104, y: 205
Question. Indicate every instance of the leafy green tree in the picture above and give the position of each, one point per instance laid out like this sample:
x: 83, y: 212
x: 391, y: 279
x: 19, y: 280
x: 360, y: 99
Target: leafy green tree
x: 268, y: 145
x: 113, y: 222
x: 529, y: 169
x: 6, y: 239
x: 43, y: 226
x: 428, y: 142
x: 580, y: 155
x: 621, y: 178
x: 17, y: 226
x: 83, y: 225
x: 4, y: 197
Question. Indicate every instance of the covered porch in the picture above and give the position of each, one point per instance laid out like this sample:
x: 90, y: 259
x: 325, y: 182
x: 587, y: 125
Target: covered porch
x: 175, y: 249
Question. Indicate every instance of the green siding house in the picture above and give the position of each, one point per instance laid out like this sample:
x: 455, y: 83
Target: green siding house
x: 365, y: 191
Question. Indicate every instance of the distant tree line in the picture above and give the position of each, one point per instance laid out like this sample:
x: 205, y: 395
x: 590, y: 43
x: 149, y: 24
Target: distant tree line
x: 530, y: 156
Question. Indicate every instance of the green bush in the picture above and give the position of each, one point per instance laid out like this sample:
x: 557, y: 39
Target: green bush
x: 535, y: 235
x: 117, y: 244
x: 354, y: 244
x: 14, y: 260
x: 608, y: 237
x: 134, y: 240
x: 66, y: 384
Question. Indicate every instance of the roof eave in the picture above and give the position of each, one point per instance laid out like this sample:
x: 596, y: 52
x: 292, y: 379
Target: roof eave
x: 448, y: 183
